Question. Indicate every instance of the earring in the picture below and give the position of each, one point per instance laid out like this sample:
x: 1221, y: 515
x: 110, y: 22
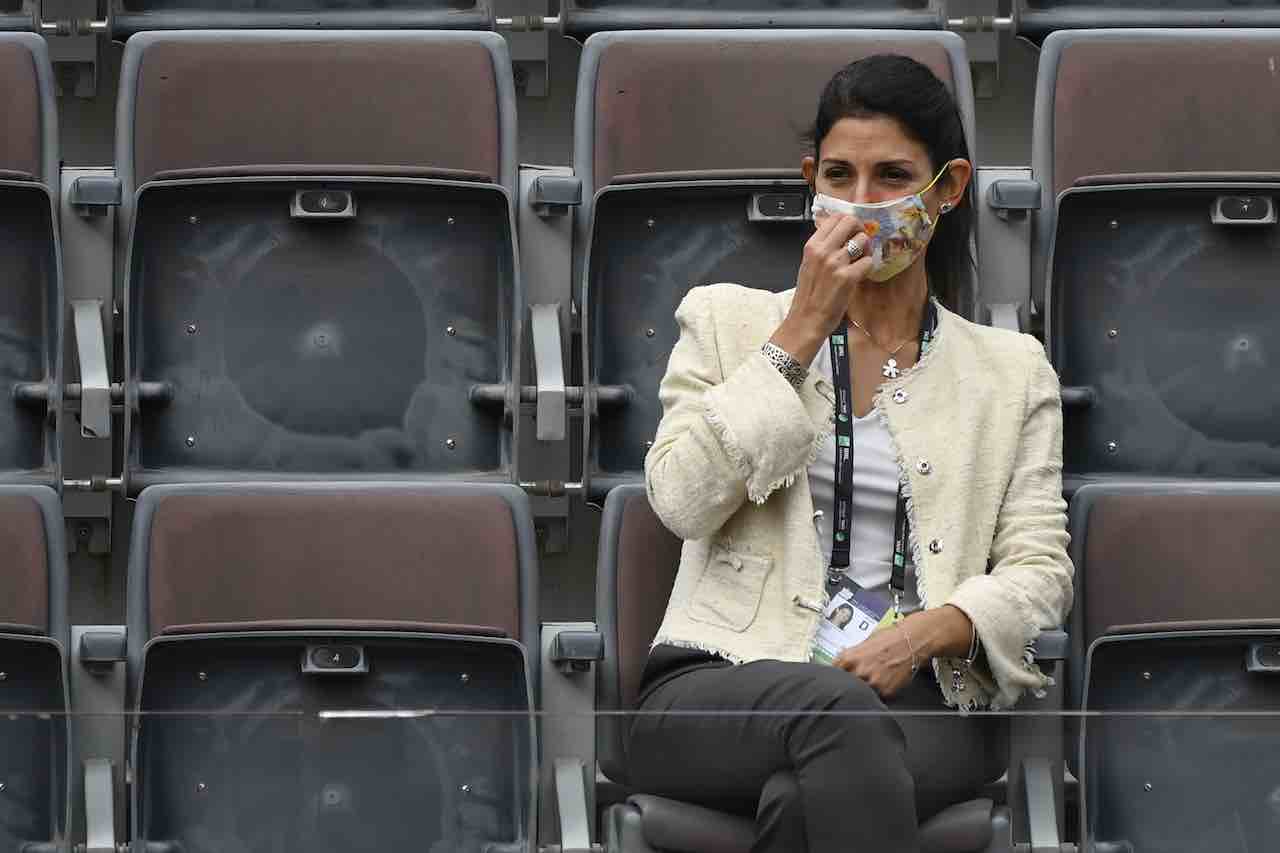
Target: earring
x: 945, y: 207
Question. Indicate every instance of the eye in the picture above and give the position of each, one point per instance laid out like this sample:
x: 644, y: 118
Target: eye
x: 895, y: 173
x: 836, y: 173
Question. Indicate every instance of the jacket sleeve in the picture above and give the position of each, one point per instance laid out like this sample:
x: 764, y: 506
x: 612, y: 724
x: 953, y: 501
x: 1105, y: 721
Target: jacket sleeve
x: 725, y: 440
x: 1029, y: 588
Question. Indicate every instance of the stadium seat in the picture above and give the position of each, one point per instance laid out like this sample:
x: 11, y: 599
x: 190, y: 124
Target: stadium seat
x: 36, y: 729
x: 678, y: 137
x: 1159, y: 256
x: 635, y: 571
x: 31, y: 292
x: 581, y: 18
x: 321, y: 283
x: 1174, y: 632
x: 134, y: 16
x: 1035, y: 19
x: 333, y: 667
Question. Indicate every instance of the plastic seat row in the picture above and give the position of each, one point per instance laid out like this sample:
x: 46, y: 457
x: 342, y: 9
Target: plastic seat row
x: 309, y: 300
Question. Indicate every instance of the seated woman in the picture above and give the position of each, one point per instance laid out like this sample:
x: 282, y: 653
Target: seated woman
x: 849, y: 441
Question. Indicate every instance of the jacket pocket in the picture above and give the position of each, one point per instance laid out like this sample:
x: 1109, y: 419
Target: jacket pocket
x: 729, y: 592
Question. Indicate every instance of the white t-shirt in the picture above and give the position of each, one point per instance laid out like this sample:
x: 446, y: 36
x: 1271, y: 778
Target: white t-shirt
x: 875, y: 500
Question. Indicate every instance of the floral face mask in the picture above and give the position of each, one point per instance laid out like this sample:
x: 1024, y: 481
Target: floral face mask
x: 898, y: 229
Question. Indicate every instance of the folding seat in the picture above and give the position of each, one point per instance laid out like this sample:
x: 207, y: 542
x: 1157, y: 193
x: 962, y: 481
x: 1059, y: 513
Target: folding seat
x: 31, y: 290
x: 1161, y: 148
x: 1035, y: 19
x: 134, y: 16
x: 581, y: 18
x: 688, y: 145
x: 35, y: 727
x: 321, y: 278
x: 1176, y: 660
x: 635, y: 572
x: 332, y: 667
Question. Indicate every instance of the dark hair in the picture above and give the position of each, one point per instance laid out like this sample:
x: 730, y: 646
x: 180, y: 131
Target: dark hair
x: 903, y: 89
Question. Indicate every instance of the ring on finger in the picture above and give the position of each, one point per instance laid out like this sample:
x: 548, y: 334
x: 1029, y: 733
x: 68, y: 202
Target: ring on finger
x: 855, y: 250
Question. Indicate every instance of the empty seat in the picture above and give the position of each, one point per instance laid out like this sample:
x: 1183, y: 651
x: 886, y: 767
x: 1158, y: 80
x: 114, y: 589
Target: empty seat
x: 333, y: 667
x: 1035, y: 19
x: 666, y: 202
x: 635, y: 571
x: 31, y: 292
x: 322, y: 278
x: 1159, y: 257
x: 581, y: 18
x: 1175, y: 631
x: 35, y: 731
x: 132, y: 16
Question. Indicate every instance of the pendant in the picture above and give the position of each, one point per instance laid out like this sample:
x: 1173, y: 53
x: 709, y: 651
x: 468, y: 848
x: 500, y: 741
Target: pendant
x: 890, y: 369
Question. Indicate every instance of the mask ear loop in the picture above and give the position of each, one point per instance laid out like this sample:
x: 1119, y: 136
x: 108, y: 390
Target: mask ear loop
x: 937, y: 177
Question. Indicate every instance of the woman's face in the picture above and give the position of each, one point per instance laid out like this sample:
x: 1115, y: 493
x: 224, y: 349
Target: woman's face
x: 873, y: 159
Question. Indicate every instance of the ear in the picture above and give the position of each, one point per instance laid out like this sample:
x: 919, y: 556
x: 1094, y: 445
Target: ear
x: 954, y: 183
x: 809, y: 168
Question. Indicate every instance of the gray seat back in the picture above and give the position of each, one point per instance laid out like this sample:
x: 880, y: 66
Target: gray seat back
x: 34, y: 743
x: 1175, y: 588
x: 1156, y: 310
x: 581, y: 18
x: 635, y: 571
x: 420, y: 733
x: 133, y: 16
x: 1036, y: 19
x: 1152, y: 553
x: 665, y: 199
x: 264, y: 341
x: 31, y: 314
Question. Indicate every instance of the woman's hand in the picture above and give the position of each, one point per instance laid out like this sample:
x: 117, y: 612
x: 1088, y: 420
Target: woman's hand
x: 823, y: 287
x: 883, y: 660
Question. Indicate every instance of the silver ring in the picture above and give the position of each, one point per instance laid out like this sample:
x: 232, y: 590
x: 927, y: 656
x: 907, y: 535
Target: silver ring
x: 855, y: 250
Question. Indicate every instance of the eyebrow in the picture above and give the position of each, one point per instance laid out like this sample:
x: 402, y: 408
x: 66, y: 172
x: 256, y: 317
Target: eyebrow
x: 837, y: 161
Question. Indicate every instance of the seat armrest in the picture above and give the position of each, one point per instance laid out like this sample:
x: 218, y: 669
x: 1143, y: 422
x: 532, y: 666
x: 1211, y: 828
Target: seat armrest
x: 553, y: 195
x: 1054, y: 645
x: 576, y: 651
x: 101, y: 650
x: 1013, y: 196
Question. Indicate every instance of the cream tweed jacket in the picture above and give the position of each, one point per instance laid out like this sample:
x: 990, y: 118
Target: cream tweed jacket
x: 727, y: 474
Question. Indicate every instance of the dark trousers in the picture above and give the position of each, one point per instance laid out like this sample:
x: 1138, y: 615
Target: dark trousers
x: 843, y: 780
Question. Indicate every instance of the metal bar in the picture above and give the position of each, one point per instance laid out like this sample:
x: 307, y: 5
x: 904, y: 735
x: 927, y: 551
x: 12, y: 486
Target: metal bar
x: 493, y: 395
x: 95, y: 385
x: 571, y: 797
x: 94, y: 484
x: 1042, y: 819
x: 99, y: 806
x: 548, y: 367
x: 551, y: 488
x: 32, y: 394
x: 526, y: 23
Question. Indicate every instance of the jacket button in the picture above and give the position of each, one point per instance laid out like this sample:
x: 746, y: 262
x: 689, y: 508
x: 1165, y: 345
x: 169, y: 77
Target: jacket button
x: 924, y: 467
x: 935, y: 547
x: 900, y: 396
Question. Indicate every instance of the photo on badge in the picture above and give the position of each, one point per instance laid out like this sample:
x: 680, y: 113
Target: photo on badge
x: 852, y: 615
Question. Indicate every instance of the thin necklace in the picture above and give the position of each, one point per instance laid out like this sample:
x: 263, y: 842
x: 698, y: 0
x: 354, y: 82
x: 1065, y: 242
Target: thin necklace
x: 890, y: 369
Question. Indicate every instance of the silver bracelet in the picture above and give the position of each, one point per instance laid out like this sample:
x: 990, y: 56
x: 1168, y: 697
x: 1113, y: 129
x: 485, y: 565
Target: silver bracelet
x: 791, y: 369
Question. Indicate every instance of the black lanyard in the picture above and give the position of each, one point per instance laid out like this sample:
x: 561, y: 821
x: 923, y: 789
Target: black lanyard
x: 842, y: 524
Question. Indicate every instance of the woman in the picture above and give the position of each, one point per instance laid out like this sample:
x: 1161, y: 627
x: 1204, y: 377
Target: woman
x: 947, y: 497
